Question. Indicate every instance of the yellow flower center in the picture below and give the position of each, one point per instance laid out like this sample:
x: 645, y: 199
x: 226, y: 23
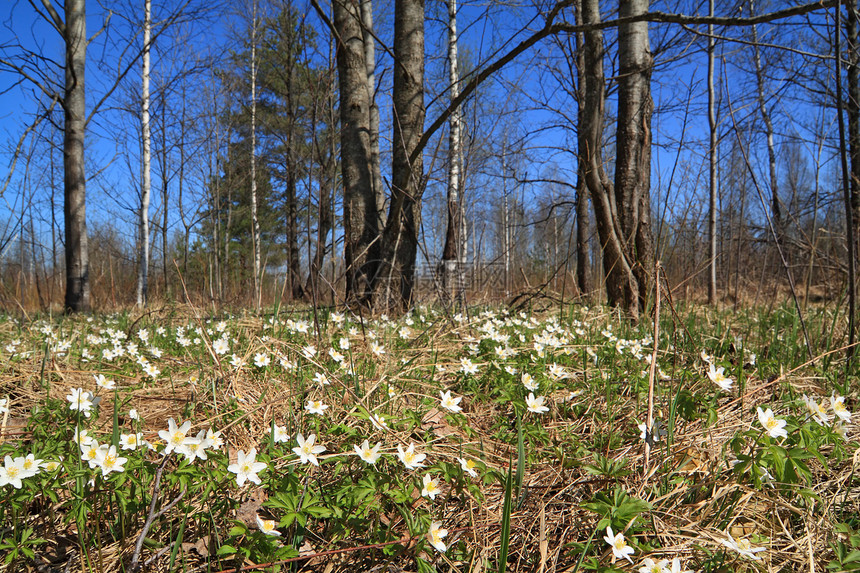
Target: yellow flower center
x: 13, y: 471
x: 771, y: 423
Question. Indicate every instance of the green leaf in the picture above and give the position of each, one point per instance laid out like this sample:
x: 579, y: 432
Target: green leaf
x: 226, y: 549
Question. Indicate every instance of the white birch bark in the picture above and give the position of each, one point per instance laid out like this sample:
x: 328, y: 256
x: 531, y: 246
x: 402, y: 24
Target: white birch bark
x: 255, y: 222
x: 146, y: 168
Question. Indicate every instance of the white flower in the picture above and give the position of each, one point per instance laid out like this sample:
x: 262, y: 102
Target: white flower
x: 307, y: 451
x: 91, y: 452
x: 81, y: 438
x: 467, y: 366
x: 4, y: 405
x: 368, y: 454
x: 536, y: 404
x: 133, y: 414
x: 435, y: 536
x: 656, y: 431
x: 775, y: 427
x: 12, y: 472
x: 262, y: 359
x: 449, y: 402
x: 556, y: 372
x: 409, y: 458
x: 110, y: 461
x: 246, y: 467
x: 267, y: 527
x: 742, y: 546
x: 321, y: 379
x: 82, y: 401
x: 280, y: 435
x: 838, y: 405
x: 468, y: 466
x: 174, y: 436
x: 431, y: 487
x: 104, y: 383
x: 151, y: 371
x: 377, y: 349
x: 344, y: 343
x: 718, y: 377
x: 215, y: 439
x: 379, y: 422
x: 130, y: 441
x: 316, y: 407
x: 194, y: 448
x: 620, y: 549
x: 309, y: 351
x: 651, y: 566
x: 529, y: 382
x: 221, y: 346
x: 31, y: 466
x: 676, y: 566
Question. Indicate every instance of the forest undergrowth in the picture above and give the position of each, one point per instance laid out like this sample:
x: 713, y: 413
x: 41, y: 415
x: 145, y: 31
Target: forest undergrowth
x: 487, y: 440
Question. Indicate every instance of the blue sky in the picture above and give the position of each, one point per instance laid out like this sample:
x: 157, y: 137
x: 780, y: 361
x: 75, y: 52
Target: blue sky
x: 113, y: 162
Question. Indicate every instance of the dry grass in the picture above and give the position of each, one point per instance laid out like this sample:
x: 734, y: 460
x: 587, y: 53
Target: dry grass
x: 695, y: 497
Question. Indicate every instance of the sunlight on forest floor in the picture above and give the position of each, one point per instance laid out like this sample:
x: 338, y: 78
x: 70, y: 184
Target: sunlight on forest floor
x: 489, y: 440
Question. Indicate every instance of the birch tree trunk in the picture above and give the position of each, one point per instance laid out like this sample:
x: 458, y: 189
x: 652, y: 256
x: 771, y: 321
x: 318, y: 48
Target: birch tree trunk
x: 74, y: 210
x: 361, y: 228
x: 255, y: 222
x: 146, y: 167
x: 451, y: 253
x: 366, y: 7
x: 712, y: 167
x: 633, y: 145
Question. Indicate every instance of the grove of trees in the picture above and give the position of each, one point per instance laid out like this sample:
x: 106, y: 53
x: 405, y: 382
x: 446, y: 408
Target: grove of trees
x: 370, y: 153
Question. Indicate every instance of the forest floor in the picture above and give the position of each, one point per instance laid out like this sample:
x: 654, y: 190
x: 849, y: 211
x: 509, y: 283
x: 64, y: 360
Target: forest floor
x: 485, y: 440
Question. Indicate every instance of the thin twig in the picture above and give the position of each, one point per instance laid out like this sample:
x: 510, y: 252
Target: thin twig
x: 153, y: 515
x: 649, y: 421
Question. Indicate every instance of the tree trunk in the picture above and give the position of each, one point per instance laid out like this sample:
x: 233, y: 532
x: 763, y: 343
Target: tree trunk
x: 361, y: 228
x: 327, y: 165
x: 583, y: 265
x: 622, y: 287
x: 165, y: 211
x: 712, y: 167
x: 146, y: 168
x: 451, y: 253
x: 255, y: 222
x: 768, y: 125
x: 393, y: 288
x: 77, y: 253
x: 366, y: 7
x: 852, y: 106
x: 633, y: 144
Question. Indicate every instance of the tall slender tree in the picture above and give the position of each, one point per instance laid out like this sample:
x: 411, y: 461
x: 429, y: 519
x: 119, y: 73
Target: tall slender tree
x: 255, y: 222
x: 146, y: 163
x: 394, y: 284
x: 74, y: 31
x: 452, y: 251
x: 361, y: 224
